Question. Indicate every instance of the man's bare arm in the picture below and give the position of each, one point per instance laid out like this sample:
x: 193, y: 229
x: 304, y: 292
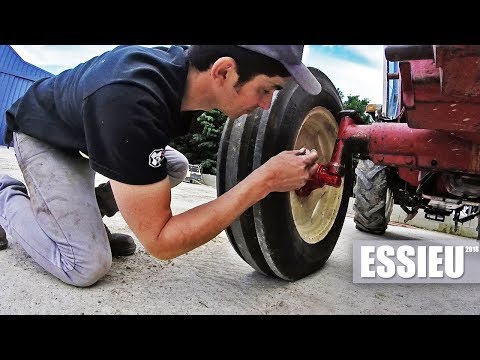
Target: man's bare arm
x: 146, y: 208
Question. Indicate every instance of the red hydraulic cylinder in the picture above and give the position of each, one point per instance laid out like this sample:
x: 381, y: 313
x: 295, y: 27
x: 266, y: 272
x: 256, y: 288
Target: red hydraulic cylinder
x: 325, y: 175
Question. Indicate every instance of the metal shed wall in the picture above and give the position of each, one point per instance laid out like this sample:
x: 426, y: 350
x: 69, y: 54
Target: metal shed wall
x: 16, y: 76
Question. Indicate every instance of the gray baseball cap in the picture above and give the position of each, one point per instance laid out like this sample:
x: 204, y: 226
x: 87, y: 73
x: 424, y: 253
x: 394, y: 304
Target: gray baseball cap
x: 290, y: 56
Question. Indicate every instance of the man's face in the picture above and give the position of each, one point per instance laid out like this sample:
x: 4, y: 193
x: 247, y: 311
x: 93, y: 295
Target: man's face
x: 237, y: 100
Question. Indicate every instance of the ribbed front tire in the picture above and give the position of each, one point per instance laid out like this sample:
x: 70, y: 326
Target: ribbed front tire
x: 285, y: 235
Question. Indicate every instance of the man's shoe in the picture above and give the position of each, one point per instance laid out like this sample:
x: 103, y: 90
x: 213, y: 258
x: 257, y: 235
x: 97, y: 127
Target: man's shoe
x: 3, y: 239
x: 121, y: 244
x: 106, y: 200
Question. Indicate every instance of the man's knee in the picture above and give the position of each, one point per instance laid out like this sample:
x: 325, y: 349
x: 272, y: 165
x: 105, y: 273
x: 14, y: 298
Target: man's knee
x: 177, y: 166
x: 88, y: 274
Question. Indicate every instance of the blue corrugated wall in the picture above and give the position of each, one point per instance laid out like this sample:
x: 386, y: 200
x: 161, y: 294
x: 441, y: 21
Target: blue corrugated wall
x: 16, y: 76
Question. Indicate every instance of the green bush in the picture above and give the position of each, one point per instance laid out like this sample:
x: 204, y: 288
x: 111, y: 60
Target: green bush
x: 200, y: 145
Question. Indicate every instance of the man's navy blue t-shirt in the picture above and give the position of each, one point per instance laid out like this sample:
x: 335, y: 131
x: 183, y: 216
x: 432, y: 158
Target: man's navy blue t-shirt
x: 121, y: 108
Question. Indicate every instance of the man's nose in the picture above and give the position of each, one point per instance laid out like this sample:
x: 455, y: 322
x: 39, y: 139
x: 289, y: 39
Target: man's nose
x: 266, y: 102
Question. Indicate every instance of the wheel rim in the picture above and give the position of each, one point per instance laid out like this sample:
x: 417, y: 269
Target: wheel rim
x: 315, y: 214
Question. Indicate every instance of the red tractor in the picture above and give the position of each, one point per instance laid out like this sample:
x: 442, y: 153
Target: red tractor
x: 421, y: 152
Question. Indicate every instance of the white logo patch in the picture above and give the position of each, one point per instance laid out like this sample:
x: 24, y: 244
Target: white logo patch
x: 156, y: 157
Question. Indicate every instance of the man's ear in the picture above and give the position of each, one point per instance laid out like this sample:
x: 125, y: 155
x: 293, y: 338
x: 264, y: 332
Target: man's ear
x: 223, y: 68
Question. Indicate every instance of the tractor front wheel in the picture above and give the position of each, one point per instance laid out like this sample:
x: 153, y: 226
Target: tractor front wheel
x: 285, y: 235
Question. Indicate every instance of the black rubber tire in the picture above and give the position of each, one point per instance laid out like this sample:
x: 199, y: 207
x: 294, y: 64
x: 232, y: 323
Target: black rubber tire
x: 221, y: 169
x: 234, y: 163
x: 373, y: 203
x: 274, y: 245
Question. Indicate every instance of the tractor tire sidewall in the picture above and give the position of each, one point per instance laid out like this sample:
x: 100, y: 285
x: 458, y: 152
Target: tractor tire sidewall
x: 289, y: 256
x: 234, y: 164
x: 221, y: 173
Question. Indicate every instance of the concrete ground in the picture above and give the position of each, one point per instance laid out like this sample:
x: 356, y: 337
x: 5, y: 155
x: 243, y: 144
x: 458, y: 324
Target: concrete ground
x: 213, y: 279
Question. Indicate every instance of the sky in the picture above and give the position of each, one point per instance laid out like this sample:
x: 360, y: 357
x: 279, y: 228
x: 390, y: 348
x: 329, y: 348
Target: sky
x: 354, y: 69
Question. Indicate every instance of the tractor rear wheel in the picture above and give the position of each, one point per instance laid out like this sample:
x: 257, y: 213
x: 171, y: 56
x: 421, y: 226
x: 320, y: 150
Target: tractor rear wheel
x: 373, y: 199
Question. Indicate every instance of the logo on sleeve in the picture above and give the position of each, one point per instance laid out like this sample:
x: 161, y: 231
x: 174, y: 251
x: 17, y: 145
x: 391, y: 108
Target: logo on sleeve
x: 156, y: 157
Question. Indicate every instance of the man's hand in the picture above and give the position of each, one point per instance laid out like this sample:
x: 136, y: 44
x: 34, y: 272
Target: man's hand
x: 290, y: 169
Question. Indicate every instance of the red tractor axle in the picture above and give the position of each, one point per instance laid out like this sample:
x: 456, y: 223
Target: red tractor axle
x: 395, y: 144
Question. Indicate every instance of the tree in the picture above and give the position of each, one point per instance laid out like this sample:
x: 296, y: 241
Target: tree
x: 200, y: 145
x: 353, y: 102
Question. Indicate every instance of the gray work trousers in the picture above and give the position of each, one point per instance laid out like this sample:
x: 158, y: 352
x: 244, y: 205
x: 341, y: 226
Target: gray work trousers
x: 58, y: 221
